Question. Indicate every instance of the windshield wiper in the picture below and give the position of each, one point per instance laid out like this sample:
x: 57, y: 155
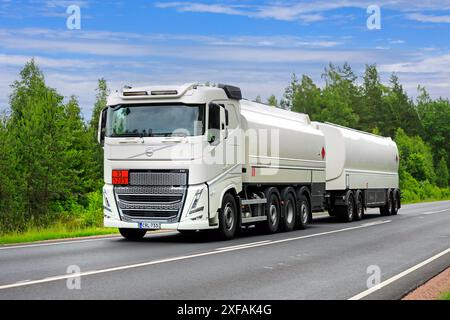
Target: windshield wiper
x: 128, y: 135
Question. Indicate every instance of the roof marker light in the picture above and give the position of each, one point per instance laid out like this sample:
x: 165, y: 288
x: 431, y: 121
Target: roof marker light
x: 164, y: 93
x: 135, y: 93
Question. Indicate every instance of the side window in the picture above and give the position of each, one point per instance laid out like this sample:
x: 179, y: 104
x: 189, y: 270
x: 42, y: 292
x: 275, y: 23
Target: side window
x: 214, y: 123
x: 232, y: 116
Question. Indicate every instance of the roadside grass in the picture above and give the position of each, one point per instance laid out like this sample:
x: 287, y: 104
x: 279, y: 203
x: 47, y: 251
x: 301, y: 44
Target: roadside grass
x: 53, y: 233
x: 445, y: 296
x: 424, y: 200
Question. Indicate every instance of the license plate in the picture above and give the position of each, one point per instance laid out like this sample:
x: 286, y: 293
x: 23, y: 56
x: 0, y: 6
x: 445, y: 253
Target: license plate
x: 149, y: 225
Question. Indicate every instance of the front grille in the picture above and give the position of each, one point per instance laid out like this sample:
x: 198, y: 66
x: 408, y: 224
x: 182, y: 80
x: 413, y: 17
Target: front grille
x: 148, y: 198
x: 152, y: 195
x: 158, y: 178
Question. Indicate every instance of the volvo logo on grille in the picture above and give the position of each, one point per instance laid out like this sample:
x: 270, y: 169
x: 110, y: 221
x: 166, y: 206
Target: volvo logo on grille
x: 149, y: 152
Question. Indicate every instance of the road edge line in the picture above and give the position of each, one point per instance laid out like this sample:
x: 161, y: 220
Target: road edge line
x: 402, y: 274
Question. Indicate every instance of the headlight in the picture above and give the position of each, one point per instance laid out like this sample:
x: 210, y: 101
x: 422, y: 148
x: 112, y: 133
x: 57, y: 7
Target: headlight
x: 106, y: 204
x: 195, y: 201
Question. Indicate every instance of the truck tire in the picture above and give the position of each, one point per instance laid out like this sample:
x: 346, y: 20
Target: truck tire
x: 289, y: 209
x: 273, y: 211
x: 304, y: 212
x: 332, y: 211
x: 359, y: 206
x: 386, y: 209
x: 347, y: 212
x: 394, y: 203
x: 228, y: 217
x: 132, y: 234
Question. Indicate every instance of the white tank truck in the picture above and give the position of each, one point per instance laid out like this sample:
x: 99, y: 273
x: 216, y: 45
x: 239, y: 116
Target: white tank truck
x: 197, y: 157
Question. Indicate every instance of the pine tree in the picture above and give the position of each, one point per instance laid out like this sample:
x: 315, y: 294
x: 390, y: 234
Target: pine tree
x: 272, y: 101
x: 307, y: 98
x: 289, y: 93
x: 339, y: 96
x: 96, y: 149
x: 37, y: 145
x: 100, y: 103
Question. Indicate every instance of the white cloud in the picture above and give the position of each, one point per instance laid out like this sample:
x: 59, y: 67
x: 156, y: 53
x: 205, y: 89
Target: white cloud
x: 72, y: 62
x: 429, y: 18
x: 304, y: 11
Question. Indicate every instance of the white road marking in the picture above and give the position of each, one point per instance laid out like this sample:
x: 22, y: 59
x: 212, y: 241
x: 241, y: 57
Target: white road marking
x: 55, y: 243
x: 179, y: 258
x: 398, y: 276
x: 375, y: 223
x: 243, y: 245
x: 432, y: 212
x: 46, y: 244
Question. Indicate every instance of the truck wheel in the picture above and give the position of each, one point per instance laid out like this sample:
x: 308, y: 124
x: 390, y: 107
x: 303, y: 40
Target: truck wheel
x: 386, y: 209
x: 228, y: 218
x: 289, y: 209
x: 132, y: 234
x: 332, y: 212
x: 394, y: 203
x: 348, y: 211
x: 273, y: 211
x: 359, y: 207
x: 304, y: 212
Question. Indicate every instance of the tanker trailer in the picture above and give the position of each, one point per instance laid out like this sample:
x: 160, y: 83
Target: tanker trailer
x: 361, y: 172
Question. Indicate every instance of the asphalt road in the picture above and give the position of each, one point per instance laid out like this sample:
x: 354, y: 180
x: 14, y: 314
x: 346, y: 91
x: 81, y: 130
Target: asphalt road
x: 329, y: 260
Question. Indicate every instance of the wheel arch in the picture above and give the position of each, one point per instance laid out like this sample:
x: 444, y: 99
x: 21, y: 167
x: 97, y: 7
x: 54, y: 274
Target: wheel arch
x: 231, y: 188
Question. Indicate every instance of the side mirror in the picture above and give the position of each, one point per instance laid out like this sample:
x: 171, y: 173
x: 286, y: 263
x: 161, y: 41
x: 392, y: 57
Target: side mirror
x: 102, y: 127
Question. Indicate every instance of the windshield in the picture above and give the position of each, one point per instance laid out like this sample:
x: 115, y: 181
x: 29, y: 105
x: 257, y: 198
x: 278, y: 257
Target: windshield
x: 155, y: 120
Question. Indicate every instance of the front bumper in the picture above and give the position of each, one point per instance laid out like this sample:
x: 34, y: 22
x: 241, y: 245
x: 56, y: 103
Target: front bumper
x: 191, y: 218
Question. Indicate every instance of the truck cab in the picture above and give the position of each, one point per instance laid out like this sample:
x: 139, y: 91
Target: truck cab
x: 170, y: 155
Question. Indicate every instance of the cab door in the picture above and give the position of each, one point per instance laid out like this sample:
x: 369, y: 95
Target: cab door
x: 225, y: 171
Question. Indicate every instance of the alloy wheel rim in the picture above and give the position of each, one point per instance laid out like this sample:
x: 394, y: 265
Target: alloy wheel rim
x: 229, y: 216
x: 304, y: 213
x: 350, y: 208
x: 273, y: 214
x: 290, y: 212
x: 360, y: 208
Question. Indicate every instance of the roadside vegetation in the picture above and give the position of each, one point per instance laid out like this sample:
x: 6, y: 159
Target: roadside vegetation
x: 51, y: 172
x: 446, y: 296
x: 420, y: 127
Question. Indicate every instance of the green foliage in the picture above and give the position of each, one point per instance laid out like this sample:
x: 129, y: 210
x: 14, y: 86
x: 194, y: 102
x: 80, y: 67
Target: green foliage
x: 272, y: 101
x: 46, y: 158
x: 416, y: 157
x: 100, y: 103
x: 442, y: 175
x: 289, y: 93
x: 421, y: 128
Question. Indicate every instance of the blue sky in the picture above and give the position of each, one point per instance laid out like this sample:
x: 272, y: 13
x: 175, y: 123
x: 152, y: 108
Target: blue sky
x: 253, y: 44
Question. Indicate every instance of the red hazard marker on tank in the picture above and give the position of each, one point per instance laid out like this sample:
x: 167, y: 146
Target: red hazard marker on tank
x: 323, y: 153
